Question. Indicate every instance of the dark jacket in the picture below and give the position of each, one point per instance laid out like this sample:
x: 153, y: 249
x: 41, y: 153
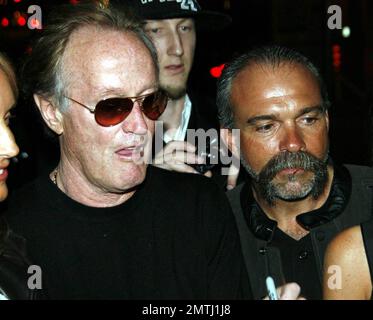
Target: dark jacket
x: 14, y: 266
x: 349, y: 203
x: 204, y: 113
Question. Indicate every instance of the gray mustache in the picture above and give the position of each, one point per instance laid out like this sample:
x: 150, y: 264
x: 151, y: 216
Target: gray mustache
x: 290, y: 160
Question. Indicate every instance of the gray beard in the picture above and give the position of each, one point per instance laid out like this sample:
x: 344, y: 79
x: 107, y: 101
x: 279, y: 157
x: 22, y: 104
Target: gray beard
x: 270, y: 191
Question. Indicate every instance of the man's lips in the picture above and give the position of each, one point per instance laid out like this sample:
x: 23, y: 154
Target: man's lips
x: 291, y: 171
x: 174, y: 68
x: 129, y: 152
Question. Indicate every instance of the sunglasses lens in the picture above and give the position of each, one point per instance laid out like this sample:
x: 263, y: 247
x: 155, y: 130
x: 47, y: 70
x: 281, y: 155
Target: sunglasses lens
x: 112, y: 111
x: 154, y: 105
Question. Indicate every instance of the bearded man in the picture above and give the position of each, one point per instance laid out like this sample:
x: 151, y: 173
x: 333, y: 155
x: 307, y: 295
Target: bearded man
x: 297, y: 199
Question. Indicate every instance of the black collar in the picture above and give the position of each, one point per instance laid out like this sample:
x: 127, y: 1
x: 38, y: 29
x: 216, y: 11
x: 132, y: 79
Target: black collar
x: 263, y: 227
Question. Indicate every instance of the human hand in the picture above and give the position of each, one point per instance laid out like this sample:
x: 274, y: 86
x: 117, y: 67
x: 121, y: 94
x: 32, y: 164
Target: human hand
x: 178, y: 156
x: 232, y: 177
x: 289, y: 291
x: 231, y: 143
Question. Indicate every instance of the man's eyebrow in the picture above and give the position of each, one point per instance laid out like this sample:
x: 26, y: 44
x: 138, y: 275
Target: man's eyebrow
x: 252, y: 121
x: 319, y: 109
x: 148, y: 23
x: 116, y: 92
x: 182, y: 20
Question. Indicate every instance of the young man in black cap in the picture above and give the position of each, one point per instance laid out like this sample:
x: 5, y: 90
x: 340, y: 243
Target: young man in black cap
x: 172, y: 27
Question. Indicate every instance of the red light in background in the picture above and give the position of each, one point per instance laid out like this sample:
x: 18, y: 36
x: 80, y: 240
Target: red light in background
x: 17, y: 1
x: 21, y: 21
x: 216, y: 71
x: 337, y: 57
x: 74, y: 2
x: 4, y: 22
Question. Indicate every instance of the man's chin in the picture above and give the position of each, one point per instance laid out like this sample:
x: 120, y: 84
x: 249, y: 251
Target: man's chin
x: 291, y: 194
x: 293, y: 197
x: 174, y: 93
x: 132, y: 178
x: 296, y: 188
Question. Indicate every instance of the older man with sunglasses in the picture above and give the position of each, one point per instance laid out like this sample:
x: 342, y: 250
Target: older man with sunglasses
x: 103, y: 224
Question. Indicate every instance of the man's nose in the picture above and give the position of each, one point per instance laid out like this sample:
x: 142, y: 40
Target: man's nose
x: 136, y: 121
x: 292, y: 140
x: 175, y: 44
x: 8, y: 146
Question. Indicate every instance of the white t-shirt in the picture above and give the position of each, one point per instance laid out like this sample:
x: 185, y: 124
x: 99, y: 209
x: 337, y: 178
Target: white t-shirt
x: 181, y: 131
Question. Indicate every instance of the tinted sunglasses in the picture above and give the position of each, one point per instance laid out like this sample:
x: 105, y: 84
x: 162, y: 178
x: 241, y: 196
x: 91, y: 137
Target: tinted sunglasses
x: 110, y: 112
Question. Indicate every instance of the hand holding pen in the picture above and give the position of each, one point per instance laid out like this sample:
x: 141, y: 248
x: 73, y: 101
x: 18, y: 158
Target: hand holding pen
x: 289, y: 291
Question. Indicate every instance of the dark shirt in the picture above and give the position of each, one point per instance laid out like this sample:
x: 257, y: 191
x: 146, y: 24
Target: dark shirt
x: 175, y: 238
x: 298, y: 263
x: 14, y: 265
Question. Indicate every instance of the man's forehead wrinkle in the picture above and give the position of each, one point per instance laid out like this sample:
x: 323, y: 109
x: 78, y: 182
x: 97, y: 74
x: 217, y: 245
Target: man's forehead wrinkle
x: 115, y: 49
x: 75, y: 56
x: 268, y: 69
x: 87, y: 40
x: 277, y: 76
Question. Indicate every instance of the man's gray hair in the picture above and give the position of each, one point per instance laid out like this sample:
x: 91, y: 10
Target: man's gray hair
x: 43, y: 69
x: 272, y: 56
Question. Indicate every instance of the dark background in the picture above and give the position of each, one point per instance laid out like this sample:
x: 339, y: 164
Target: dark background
x: 298, y: 24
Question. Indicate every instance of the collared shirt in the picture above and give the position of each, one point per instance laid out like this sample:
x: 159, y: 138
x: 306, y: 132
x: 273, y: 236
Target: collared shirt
x: 181, y: 131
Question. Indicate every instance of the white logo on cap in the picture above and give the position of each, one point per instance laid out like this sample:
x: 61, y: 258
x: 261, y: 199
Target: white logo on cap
x: 187, y: 5
x: 184, y: 4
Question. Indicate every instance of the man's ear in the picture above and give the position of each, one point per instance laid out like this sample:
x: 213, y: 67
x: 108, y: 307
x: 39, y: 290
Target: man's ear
x: 327, y: 119
x: 51, y: 115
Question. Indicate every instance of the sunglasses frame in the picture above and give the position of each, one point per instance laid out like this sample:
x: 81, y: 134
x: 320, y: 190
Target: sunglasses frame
x: 139, y: 99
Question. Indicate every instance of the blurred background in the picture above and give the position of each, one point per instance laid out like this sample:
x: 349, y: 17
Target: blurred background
x: 344, y: 56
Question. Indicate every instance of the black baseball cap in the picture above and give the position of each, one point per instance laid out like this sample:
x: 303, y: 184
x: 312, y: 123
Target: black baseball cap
x: 169, y: 9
